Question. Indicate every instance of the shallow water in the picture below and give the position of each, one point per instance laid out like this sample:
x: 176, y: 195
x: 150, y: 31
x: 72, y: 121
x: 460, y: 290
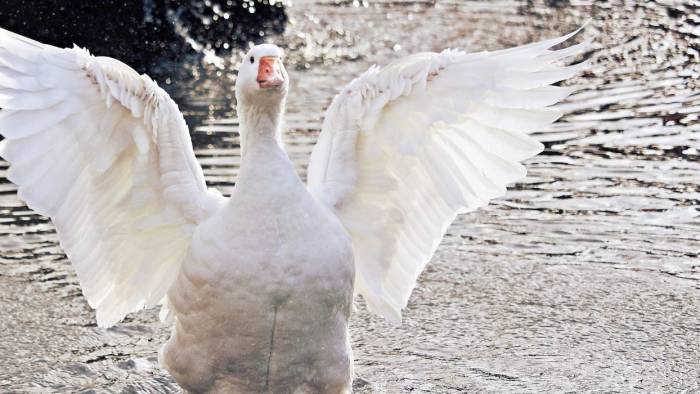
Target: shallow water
x: 585, y: 277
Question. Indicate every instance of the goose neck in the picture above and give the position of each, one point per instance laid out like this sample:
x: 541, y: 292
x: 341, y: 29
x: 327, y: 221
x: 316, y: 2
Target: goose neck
x: 260, y: 126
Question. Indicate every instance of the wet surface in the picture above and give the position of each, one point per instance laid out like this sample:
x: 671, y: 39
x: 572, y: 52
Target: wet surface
x: 147, y: 31
x: 585, y: 277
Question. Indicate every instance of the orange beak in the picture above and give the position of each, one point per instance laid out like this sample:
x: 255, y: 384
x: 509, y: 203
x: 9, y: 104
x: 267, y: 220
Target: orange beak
x: 269, y: 74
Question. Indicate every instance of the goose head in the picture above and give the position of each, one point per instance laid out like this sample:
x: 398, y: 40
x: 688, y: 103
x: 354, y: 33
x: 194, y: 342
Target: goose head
x: 262, y: 80
x: 261, y: 90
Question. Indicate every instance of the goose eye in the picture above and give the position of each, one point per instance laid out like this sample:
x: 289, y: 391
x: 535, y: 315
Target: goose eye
x: 252, y: 60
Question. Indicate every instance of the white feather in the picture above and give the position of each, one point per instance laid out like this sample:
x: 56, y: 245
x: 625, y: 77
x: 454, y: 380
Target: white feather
x: 97, y: 147
x: 405, y: 148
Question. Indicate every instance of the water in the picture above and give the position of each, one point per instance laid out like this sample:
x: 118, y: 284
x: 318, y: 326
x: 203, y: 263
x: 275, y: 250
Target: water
x: 585, y: 277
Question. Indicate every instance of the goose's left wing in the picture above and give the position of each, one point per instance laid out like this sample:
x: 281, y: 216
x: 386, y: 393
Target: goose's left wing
x: 405, y: 148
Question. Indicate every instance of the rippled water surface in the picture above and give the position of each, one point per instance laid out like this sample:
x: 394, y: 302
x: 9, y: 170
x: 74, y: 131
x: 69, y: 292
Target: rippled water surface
x: 584, y: 277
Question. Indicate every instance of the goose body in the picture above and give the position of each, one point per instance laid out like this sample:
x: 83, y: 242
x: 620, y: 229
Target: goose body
x: 258, y: 287
x: 265, y: 293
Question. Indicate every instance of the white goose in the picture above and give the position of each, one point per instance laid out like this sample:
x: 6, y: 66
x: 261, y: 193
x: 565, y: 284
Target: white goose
x: 259, y: 286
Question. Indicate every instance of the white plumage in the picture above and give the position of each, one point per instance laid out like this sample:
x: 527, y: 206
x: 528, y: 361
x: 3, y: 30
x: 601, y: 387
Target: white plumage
x: 407, y: 147
x: 106, y: 154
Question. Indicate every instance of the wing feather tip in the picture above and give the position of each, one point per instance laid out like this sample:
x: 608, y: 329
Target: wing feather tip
x: 393, y: 317
x: 381, y: 307
x: 106, y: 320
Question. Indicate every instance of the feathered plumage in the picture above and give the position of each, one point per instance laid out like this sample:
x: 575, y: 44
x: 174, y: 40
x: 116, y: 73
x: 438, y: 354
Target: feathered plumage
x: 263, y: 281
x: 106, y: 154
x: 407, y: 147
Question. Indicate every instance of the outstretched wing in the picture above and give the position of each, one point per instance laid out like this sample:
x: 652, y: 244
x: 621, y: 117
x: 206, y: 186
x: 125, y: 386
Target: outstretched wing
x: 106, y: 154
x: 405, y: 148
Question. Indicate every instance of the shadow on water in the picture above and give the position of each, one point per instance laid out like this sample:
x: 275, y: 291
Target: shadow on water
x: 144, y: 33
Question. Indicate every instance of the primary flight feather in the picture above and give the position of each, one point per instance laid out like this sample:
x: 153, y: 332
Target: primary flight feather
x: 258, y: 287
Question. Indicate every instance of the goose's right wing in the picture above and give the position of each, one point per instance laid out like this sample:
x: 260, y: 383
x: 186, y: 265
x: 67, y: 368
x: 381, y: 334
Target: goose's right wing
x: 106, y: 154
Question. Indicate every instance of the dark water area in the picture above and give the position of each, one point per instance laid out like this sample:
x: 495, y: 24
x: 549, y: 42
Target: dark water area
x: 584, y: 277
x: 146, y: 33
